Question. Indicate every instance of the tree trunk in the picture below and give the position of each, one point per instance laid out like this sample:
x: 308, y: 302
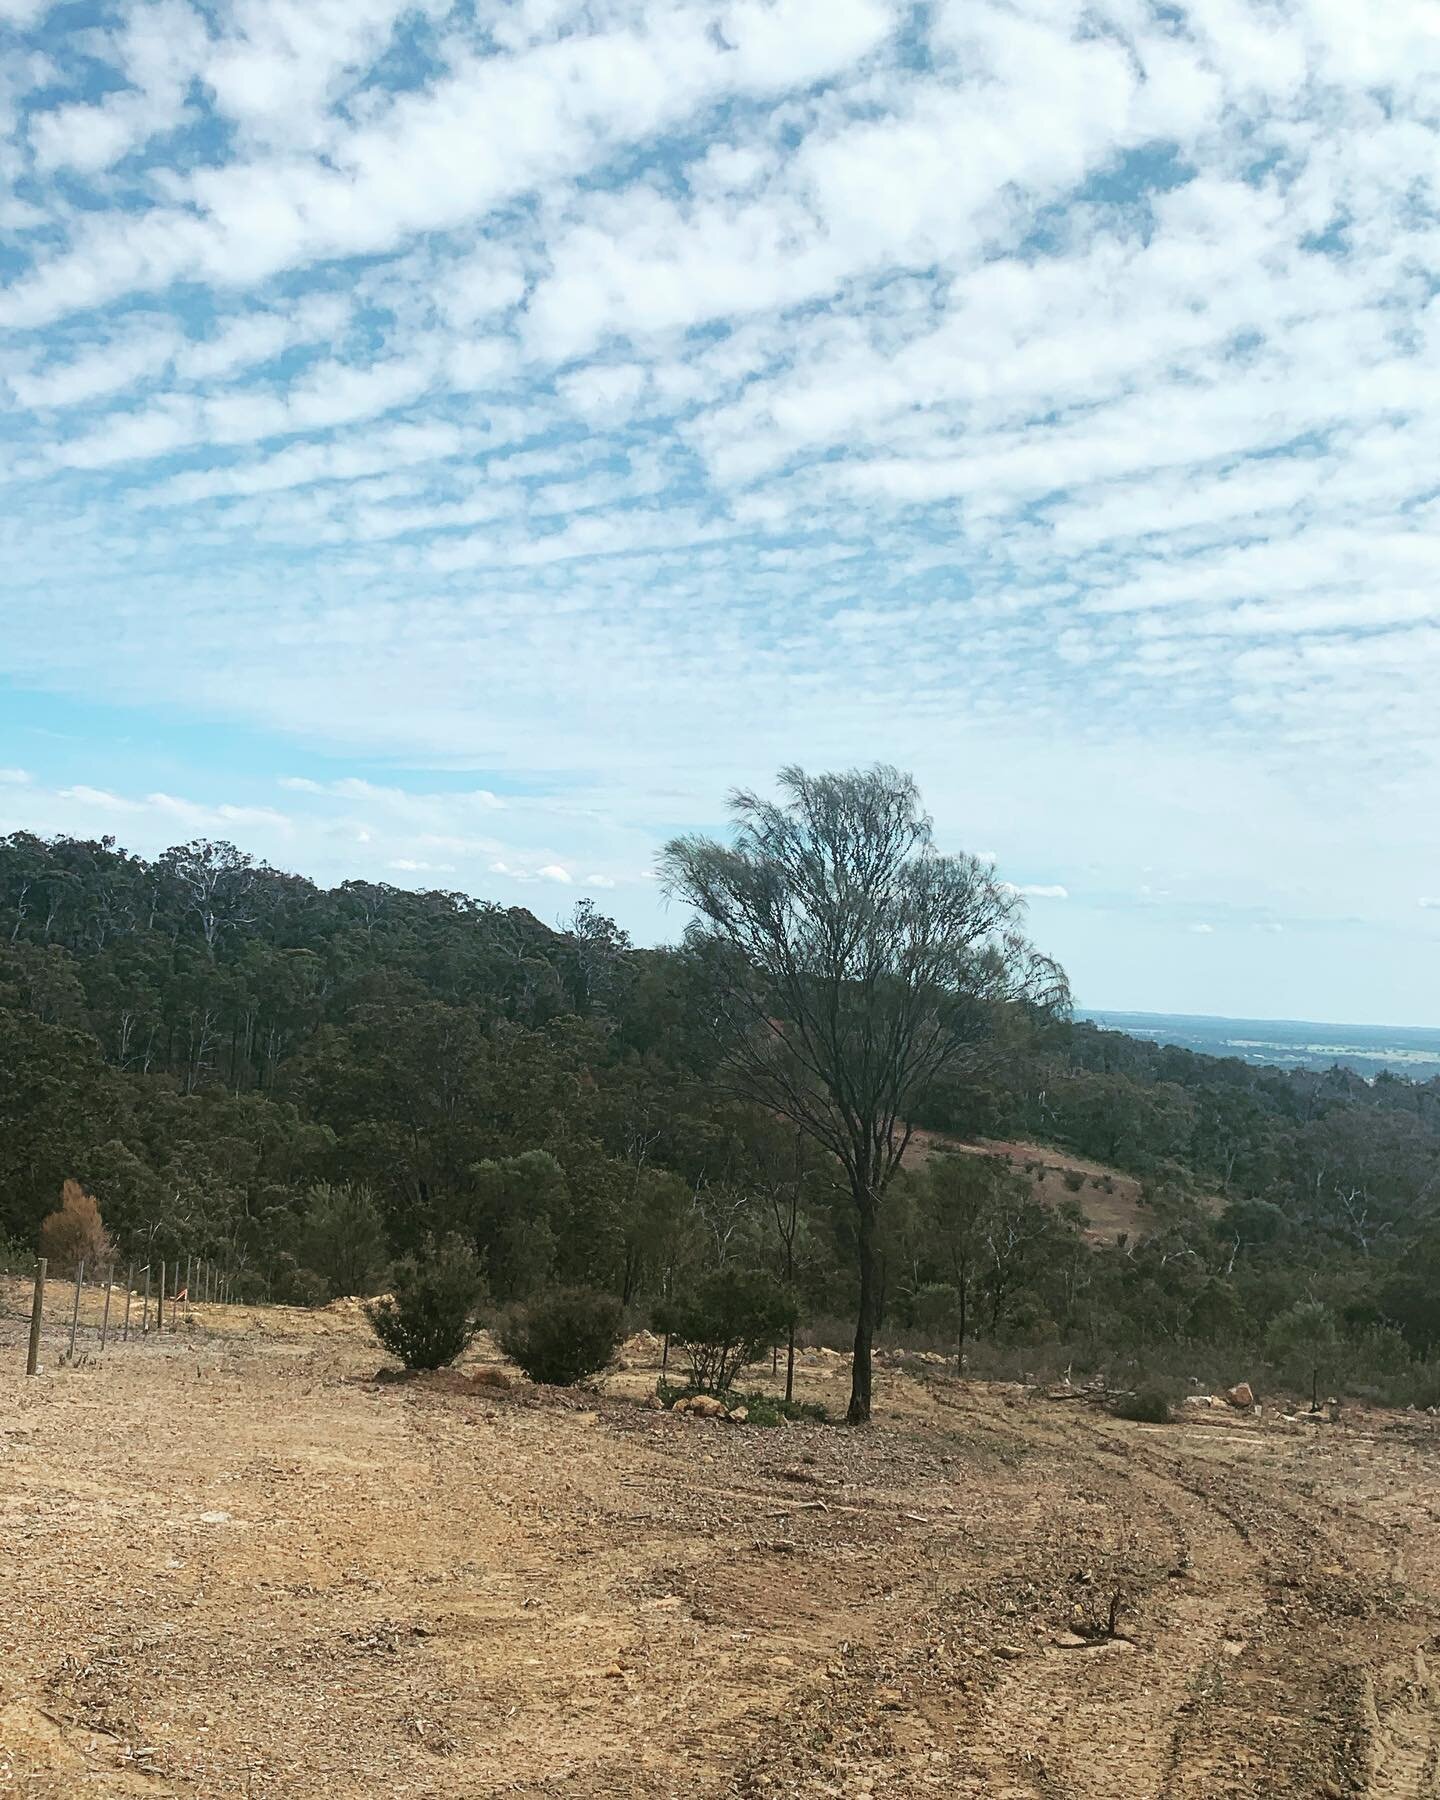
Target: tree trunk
x: 859, y: 1413
x: 790, y: 1365
x: 961, y: 1323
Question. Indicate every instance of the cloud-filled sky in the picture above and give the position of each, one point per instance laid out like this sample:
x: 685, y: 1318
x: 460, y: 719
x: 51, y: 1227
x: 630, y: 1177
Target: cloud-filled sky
x: 455, y: 444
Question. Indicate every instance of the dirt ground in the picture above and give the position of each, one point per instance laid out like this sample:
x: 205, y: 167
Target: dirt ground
x: 1113, y: 1202
x: 234, y: 1564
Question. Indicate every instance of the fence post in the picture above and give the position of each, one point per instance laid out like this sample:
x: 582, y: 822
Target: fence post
x: 75, y: 1310
x: 145, y: 1314
x: 160, y: 1304
x: 32, y: 1360
x: 105, y: 1317
x: 129, y: 1296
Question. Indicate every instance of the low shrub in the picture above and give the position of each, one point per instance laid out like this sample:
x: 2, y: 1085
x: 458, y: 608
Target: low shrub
x: 1146, y: 1406
x: 726, y: 1321
x: 761, y: 1408
x: 564, y: 1336
x: 432, y: 1312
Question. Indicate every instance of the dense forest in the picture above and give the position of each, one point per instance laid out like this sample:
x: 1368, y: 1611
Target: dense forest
x: 307, y: 1083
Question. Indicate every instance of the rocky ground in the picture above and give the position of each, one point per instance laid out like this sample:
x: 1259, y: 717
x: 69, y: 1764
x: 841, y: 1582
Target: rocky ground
x: 234, y: 1564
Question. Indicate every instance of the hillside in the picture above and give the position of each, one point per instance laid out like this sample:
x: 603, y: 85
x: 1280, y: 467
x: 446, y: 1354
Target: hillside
x: 1114, y: 1203
x: 301, y: 1086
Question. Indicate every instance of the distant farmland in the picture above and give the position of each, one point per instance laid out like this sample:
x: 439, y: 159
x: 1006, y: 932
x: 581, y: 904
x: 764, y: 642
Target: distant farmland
x: 1287, y: 1043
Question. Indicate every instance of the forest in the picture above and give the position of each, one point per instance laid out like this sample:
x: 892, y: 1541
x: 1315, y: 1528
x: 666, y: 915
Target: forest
x: 307, y: 1084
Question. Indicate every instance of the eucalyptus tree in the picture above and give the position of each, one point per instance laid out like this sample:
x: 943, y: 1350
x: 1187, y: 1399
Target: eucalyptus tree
x: 849, y: 964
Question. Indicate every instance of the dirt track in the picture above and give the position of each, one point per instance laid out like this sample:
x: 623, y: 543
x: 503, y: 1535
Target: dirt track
x: 234, y: 1565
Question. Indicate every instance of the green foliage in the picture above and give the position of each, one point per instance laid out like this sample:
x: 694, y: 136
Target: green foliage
x: 564, y: 1336
x: 208, y: 1045
x: 342, y: 1239
x: 760, y: 1408
x: 726, y: 1320
x: 1303, y: 1342
x: 770, y: 1409
x: 431, y: 1315
x: 1146, y: 1406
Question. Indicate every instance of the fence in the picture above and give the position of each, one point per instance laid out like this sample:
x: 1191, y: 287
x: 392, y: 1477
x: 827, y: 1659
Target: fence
x: 166, y: 1296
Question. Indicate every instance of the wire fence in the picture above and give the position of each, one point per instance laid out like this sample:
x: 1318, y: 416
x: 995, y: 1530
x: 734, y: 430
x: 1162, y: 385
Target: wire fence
x: 119, y: 1305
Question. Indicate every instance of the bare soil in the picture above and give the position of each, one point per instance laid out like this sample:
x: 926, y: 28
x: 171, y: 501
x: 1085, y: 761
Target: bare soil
x: 235, y: 1565
x: 1113, y: 1202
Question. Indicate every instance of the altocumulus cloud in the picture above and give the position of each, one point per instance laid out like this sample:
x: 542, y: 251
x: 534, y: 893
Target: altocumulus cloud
x: 607, y: 393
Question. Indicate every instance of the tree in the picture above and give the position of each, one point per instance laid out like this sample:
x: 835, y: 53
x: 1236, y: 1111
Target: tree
x: 964, y: 1201
x: 342, y: 1238
x: 1303, y: 1342
x: 850, y: 965
x: 433, y: 1313
x: 75, y: 1233
x: 726, y: 1320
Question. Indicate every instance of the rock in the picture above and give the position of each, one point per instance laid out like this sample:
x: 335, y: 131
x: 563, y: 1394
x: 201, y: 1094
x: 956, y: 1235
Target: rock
x: 1241, y: 1395
x: 1069, y: 1640
x: 615, y: 1673
x: 701, y: 1406
x: 739, y: 1416
x: 1008, y: 1652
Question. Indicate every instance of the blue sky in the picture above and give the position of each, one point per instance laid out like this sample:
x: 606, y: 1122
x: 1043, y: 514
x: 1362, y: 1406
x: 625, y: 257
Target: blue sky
x: 454, y: 445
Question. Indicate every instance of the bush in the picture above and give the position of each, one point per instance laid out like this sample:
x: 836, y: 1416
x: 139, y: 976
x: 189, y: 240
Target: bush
x: 342, y: 1239
x: 762, y: 1409
x: 726, y: 1321
x: 75, y: 1233
x: 1147, y: 1406
x: 1303, y: 1344
x: 564, y: 1336
x: 431, y: 1314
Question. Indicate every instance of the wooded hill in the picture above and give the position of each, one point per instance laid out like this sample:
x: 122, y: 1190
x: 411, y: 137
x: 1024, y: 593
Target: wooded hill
x: 307, y: 1082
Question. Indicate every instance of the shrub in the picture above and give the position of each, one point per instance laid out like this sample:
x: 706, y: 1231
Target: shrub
x: 1074, y: 1180
x: 564, y: 1336
x: 430, y: 1315
x: 762, y: 1409
x: 1303, y: 1344
x: 75, y: 1233
x: 342, y: 1239
x: 1147, y: 1406
x: 727, y: 1320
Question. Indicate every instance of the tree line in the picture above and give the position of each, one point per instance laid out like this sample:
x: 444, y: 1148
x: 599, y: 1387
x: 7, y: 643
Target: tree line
x: 311, y: 1084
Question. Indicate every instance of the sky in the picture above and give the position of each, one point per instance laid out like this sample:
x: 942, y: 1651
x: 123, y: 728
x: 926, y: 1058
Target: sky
x: 456, y: 445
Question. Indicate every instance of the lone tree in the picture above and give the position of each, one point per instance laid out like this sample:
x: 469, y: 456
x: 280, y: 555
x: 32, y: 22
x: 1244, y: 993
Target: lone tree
x: 849, y: 965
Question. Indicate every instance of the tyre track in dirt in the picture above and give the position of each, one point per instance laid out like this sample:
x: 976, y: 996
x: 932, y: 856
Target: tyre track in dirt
x: 309, y: 1585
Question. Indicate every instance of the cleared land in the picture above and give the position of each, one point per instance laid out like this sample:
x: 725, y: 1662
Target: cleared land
x: 233, y: 1564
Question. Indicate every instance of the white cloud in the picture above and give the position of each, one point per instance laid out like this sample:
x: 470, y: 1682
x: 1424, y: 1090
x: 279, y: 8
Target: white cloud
x: 618, y: 400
